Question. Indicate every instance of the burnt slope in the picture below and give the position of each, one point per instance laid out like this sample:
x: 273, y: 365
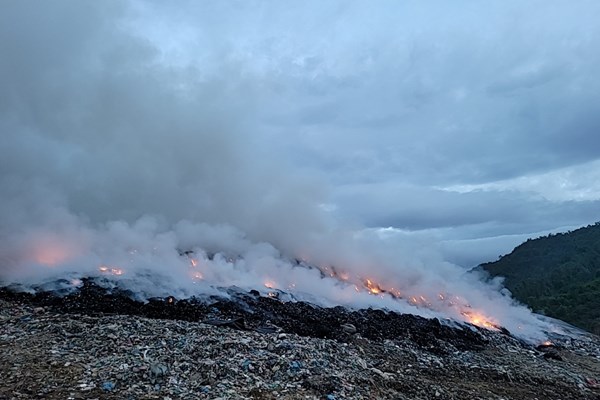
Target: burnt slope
x: 250, y: 311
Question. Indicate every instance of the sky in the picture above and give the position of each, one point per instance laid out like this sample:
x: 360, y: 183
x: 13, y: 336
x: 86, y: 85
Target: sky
x: 469, y: 126
x: 474, y: 124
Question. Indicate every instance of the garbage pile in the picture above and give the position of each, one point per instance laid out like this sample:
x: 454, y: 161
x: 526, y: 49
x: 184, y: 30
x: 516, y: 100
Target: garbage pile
x: 98, y: 343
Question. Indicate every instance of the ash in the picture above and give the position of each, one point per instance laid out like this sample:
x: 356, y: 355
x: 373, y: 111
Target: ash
x: 97, y: 344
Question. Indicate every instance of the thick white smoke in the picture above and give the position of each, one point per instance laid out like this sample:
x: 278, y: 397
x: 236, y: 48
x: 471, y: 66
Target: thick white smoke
x: 114, y: 163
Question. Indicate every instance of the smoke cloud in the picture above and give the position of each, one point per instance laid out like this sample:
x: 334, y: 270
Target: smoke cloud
x: 114, y: 163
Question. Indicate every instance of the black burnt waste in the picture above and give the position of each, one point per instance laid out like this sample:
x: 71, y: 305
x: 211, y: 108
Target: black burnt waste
x: 251, y: 311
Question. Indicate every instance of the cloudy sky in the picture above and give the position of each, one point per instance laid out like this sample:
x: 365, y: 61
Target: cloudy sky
x: 471, y: 124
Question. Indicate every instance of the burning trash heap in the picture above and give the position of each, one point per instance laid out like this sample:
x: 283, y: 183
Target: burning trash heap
x: 141, y: 264
x: 254, y: 294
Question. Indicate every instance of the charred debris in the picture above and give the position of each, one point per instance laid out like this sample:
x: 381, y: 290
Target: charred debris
x: 265, y: 314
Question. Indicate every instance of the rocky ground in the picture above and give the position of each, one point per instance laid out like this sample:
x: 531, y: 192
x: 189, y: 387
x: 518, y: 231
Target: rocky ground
x: 51, y: 351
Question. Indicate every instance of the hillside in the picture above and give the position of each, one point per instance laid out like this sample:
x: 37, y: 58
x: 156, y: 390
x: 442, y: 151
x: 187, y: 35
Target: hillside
x: 557, y: 275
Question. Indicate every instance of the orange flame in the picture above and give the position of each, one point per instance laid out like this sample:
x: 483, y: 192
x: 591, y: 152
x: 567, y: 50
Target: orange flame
x: 373, y: 288
x: 196, y: 275
x: 478, y: 319
x: 270, y: 284
x: 51, y: 251
x: 111, y: 270
x: 50, y: 257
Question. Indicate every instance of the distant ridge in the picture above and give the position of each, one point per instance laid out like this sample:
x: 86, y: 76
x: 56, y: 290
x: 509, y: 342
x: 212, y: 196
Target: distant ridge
x: 557, y: 275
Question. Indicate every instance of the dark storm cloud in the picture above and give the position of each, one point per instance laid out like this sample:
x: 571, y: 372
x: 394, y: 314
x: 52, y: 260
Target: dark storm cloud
x: 469, y: 98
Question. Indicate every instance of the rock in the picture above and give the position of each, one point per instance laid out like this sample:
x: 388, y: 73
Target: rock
x: 552, y: 354
x: 108, y: 386
x: 205, y: 389
x: 361, y: 362
x: 158, y: 369
x: 384, y: 375
x: 247, y: 365
x: 295, y: 366
x: 235, y: 323
x: 266, y: 329
x: 592, y: 383
x: 348, y: 328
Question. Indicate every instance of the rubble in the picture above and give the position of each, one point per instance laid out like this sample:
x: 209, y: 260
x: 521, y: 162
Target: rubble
x: 243, y: 311
x: 48, y: 350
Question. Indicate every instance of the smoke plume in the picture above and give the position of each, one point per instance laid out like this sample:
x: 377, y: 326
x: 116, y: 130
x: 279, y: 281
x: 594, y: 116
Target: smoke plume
x: 118, y: 165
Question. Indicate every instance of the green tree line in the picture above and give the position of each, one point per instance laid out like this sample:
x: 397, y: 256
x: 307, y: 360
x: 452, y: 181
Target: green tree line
x: 557, y: 275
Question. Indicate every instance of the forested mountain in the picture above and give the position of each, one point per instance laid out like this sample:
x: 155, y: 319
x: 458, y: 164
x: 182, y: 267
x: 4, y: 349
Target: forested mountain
x: 557, y: 275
